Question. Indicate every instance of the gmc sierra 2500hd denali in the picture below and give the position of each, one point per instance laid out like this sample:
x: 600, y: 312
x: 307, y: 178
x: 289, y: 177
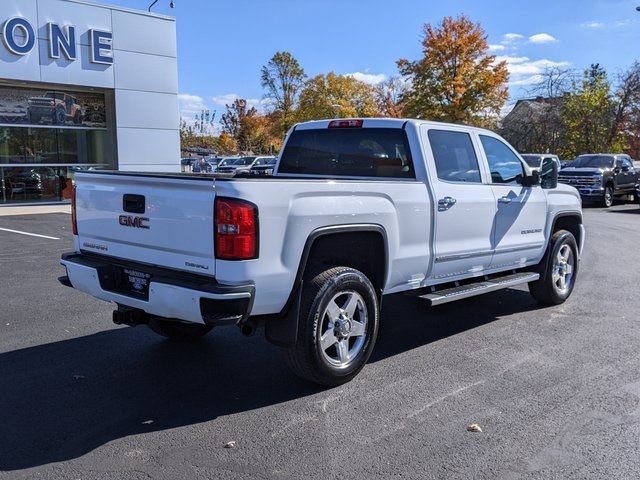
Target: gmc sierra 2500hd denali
x: 357, y: 209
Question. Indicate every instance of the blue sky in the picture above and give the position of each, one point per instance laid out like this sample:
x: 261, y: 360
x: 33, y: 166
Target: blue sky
x: 222, y: 44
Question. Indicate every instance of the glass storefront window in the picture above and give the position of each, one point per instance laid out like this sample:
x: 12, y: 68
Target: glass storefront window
x: 54, y: 145
x: 45, y: 137
x: 31, y: 184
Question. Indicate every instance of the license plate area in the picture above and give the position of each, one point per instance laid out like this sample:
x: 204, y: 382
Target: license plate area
x: 134, y: 282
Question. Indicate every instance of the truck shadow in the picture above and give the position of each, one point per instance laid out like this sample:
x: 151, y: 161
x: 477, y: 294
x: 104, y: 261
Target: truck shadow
x: 61, y: 400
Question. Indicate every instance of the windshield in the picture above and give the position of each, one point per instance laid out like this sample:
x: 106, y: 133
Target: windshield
x: 532, y: 160
x: 596, y: 161
x: 49, y: 95
x: 244, y: 161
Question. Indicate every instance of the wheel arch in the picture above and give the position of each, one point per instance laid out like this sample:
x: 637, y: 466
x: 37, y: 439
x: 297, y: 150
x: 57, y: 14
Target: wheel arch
x: 570, y: 221
x: 281, y: 329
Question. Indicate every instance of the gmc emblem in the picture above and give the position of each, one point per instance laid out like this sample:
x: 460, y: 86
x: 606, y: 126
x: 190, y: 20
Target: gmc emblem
x: 135, y: 222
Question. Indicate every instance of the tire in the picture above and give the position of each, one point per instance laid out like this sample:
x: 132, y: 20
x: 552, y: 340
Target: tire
x: 559, y: 277
x: 178, y: 331
x: 338, y: 327
x: 607, y: 199
x: 59, y: 117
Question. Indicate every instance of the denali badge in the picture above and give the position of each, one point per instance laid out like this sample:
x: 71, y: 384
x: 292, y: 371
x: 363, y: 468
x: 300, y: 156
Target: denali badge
x: 136, y: 222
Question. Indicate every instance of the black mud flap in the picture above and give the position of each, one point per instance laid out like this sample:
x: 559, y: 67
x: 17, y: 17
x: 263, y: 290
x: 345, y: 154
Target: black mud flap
x: 283, y: 331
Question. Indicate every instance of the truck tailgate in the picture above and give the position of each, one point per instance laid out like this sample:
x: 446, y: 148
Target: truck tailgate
x: 164, y: 220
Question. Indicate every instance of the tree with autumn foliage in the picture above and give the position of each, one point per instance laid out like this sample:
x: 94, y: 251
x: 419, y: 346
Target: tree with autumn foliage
x: 456, y: 80
x: 333, y: 95
x: 282, y: 78
x: 389, y: 95
x: 251, y: 132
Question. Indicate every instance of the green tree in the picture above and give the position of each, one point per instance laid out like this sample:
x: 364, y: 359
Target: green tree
x: 456, y: 80
x: 588, y: 115
x: 282, y: 78
x: 332, y: 95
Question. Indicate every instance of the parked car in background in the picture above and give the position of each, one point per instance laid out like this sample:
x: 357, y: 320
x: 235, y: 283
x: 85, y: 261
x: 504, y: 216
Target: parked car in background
x: 356, y: 209
x: 240, y: 166
x: 217, y: 162
x: 264, y: 167
x: 54, y: 107
x: 534, y: 160
x: 601, y: 177
x: 213, y: 162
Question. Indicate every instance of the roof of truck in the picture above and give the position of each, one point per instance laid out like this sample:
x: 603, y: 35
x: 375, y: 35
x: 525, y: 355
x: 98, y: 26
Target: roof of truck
x: 384, y: 123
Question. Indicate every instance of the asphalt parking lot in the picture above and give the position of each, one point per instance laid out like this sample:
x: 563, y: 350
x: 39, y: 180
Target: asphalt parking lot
x: 555, y: 390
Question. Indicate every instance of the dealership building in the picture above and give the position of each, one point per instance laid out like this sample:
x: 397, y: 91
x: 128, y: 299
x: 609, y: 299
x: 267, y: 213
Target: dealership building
x: 83, y: 86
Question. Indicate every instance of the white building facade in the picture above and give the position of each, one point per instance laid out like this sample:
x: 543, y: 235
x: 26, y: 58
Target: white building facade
x: 83, y: 85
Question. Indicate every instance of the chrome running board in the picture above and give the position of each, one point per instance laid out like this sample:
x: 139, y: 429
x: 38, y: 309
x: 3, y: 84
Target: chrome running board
x: 439, y: 297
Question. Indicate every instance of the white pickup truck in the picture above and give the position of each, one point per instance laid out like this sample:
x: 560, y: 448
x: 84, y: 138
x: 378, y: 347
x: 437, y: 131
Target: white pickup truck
x: 357, y: 209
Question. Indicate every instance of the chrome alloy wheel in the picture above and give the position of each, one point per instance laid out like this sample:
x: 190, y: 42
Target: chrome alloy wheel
x: 343, y: 328
x: 608, y: 197
x: 563, y: 267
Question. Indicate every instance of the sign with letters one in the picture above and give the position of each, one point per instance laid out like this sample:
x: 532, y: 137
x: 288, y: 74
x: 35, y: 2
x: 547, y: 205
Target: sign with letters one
x: 20, y: 38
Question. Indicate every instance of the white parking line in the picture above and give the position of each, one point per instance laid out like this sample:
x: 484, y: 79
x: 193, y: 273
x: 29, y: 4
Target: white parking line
x: 27, y: 233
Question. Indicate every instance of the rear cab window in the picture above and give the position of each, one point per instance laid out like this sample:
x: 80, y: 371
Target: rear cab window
x: 348, y: 152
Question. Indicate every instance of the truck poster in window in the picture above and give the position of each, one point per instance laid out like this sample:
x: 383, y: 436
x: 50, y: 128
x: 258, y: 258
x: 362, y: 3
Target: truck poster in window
x: 31, y: 107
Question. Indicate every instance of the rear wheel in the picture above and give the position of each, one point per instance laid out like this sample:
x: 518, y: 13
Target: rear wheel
x: 59, y: 117
x: 338, y: 326
x: 180, y: 331
x: 558, y: 279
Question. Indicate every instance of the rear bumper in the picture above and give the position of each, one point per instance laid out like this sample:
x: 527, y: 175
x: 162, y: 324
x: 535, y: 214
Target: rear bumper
x: 172, y: 294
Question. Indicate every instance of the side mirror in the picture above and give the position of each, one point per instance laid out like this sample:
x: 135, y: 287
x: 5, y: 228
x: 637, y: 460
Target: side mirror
x: 616, y: 169
x: 549, y: 173
x: 531, y: 180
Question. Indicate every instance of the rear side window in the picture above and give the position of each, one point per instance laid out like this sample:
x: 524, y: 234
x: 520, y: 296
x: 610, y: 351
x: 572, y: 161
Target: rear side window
x: 454, y: 156
x: 504, y: 165
x: 349, y: 152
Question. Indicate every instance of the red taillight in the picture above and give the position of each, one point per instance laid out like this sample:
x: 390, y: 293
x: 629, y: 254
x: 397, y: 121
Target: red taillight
x: 345, y: 124
x: 236, y: 229
x: 74, y: 218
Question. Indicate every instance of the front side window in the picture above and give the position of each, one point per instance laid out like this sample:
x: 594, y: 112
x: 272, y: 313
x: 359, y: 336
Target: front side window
x: 454, y: 156
x: 352, y: 152
x: 627, y: 165
x: 504, y: 165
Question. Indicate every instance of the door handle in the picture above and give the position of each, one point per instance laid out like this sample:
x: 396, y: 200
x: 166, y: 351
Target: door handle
x: 504, y: 200
x: 446, y: 202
